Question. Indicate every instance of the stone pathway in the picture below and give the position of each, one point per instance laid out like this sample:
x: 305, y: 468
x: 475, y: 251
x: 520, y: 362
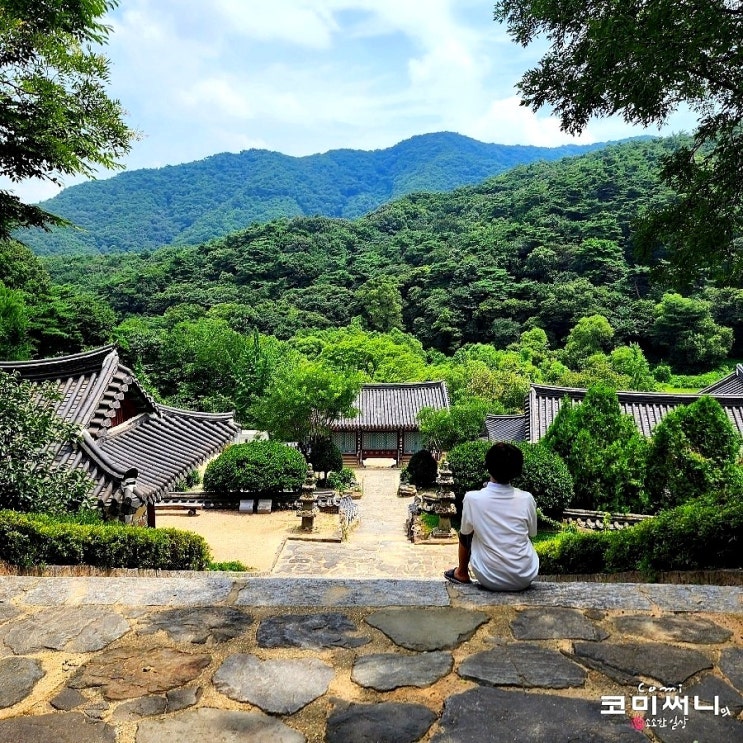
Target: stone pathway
x: 227, y: 658
x: 377, y: 547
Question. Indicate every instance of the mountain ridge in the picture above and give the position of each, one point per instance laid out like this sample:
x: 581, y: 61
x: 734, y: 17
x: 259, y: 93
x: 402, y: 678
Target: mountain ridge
x: 195, y: 202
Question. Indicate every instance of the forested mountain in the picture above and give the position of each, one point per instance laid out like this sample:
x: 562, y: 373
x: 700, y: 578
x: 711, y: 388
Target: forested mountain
x: 542, y: 245
x: 196, y: 202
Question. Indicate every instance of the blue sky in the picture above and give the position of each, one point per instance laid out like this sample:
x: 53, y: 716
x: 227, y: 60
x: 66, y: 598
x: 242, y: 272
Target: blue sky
x: 305, y: 76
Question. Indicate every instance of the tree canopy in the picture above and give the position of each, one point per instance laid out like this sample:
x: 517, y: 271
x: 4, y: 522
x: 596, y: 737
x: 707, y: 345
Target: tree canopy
x: 55, y: 116
x: 643, y: 60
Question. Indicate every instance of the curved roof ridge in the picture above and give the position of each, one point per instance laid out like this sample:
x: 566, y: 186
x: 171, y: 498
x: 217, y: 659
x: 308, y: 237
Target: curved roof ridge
x: 93, y: 398
x: 197, y: 413
x: 50, y: 368
x: 429, y: 382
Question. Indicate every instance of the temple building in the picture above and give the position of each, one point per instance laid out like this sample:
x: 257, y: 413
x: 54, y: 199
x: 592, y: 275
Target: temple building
x: 387, y: 422
x: 646, y: 408
x: 131, y: 447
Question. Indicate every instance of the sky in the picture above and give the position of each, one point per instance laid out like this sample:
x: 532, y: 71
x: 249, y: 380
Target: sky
x: 300, y: 77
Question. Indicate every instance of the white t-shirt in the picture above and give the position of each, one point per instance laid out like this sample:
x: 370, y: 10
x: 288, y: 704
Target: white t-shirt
x: 502, y: 518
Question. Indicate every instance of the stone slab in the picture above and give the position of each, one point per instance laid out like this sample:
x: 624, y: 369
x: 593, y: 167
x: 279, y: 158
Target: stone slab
x: 246, y: 506
x: 72, y: 629
x: 522, y: 664
x: 195, y: 590
x: 556, y: 623
x: 337, y: 592
x: 7, y: 612
x: 486, y: 714
x: 126, y: 673
x: 666, y: 663
x: 731, y: 664
x: 59, y: 727
x: 264, y: 505
x: 18, y: 676
x: 136, y: 709
x: 437, y: 628
x: 209, y: 625
x: 710, y: 687
x: 699, y: 727
x: 67, y: 700
x: 673, y: 629
x: 324, y: 630
x: 709, y: 599
x: 217, y: 726
x: 386, y: 722
x: 386, y: 671
x: 543, y: 593
x: 184, y: 697
x: 280, y: 687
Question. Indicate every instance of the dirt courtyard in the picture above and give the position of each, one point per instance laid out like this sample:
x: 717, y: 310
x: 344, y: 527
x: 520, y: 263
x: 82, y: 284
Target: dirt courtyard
x: 253, y: 539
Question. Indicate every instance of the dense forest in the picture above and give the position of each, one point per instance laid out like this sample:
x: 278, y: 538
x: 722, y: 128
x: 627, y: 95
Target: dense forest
x: 527, y: 277
x: 191, y: 203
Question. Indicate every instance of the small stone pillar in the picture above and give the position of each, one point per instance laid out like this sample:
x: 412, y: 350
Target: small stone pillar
x: 308, y: 501
x: 444, y: 505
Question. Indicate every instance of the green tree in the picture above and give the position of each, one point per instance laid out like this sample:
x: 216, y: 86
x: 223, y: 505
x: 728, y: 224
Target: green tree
x: 686, y: 334
x: 443, y: 429
x: 55, y: 117
x: 643, y: 60
x: 590, y: 335
x: 603, y: 451
x: 303, y: 399
x: 325, y: 457
x: 30, y: 435
x: 691, y: 452
x: 380, y: 304
x: 13, y: 325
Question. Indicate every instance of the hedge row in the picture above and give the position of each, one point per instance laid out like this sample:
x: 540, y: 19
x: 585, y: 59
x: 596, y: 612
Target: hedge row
x: 695, y: 536
x: 31, y: 540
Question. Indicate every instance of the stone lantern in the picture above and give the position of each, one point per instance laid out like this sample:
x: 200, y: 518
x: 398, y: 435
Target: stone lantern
x: 444, y: 504
x: 308, y: 501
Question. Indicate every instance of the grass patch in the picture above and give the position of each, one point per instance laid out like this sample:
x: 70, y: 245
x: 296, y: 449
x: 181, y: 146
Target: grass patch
x: 229, y: 566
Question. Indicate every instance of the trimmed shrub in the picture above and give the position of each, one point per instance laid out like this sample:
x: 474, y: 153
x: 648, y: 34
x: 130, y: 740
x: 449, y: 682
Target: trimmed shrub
x: 691, y: 453
x: 603, y: 450
x: 546, y: 477
x: 422, y: 469
x: 258, y: 466
x: 467, y: 462
x: 342, y: 480
x: 31, y: 540
x: 697, y: 535
x: 325, y: 457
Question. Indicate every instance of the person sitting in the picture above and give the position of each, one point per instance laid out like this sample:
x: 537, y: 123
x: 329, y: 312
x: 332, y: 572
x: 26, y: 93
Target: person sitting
x: 497, y: 522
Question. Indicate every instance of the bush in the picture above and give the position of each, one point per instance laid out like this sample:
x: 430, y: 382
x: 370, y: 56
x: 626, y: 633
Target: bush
x: 258, y: 466
x: 697, y: 535
x: 30, y: 436
x: 31, y: 540
x: 467, y: 462
x: 342, y: 480
x: 422, y: 469
x: 603, y: 450
x: 326, y: 457
x: 691, y: 453
x: 546, y: 477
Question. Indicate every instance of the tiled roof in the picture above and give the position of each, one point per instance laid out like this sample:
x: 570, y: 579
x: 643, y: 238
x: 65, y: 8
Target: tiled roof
x: 505, y: 427
x: 730, y: 385
x: 393, y: 407
x: 162, y: 443
x: 646, y: 408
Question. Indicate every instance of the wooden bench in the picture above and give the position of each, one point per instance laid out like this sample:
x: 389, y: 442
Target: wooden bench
x: 180, y: 504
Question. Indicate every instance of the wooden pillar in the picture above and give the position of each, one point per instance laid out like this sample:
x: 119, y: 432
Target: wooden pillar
x: 151, y: 515
x: 399, y: 447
